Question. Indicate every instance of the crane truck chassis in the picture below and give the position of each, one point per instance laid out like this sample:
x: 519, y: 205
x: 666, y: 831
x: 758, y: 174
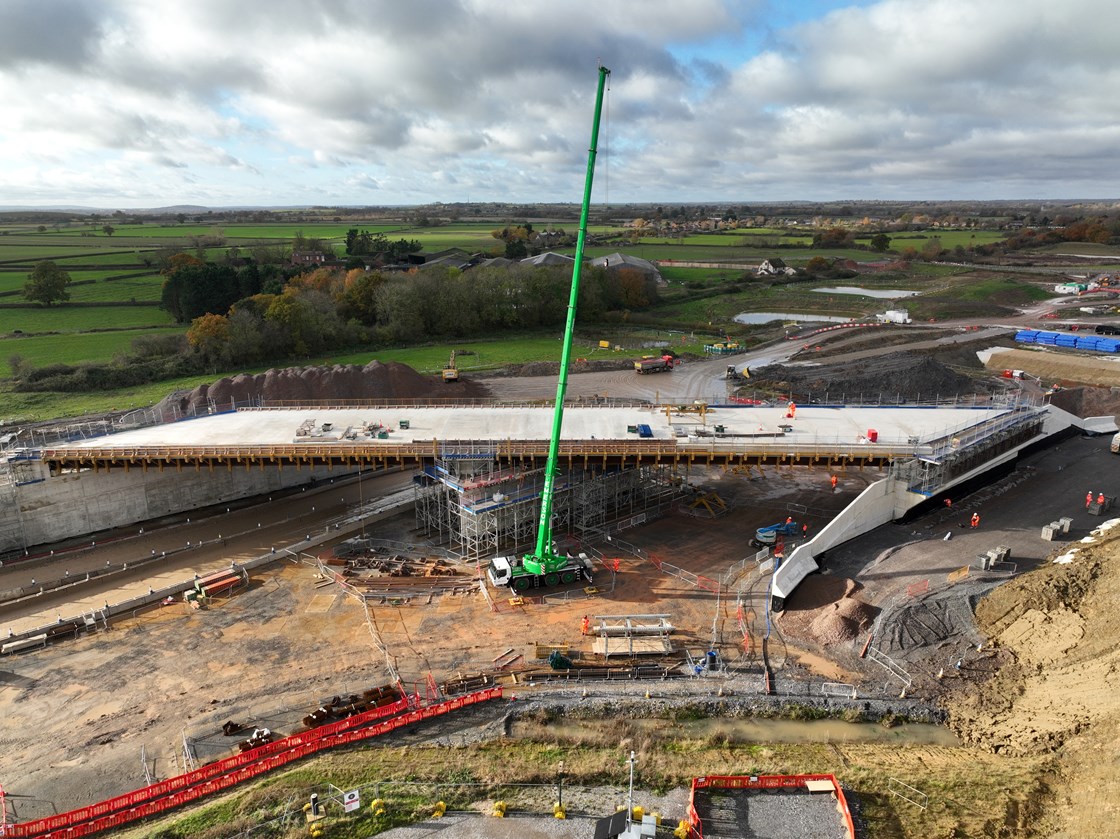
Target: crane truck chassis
x: 511, y: 571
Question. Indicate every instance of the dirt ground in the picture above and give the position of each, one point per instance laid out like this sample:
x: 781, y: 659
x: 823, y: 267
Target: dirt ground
x: 84, y: 719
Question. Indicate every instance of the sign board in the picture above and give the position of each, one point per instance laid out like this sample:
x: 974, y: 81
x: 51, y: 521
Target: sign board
x: 351, y: 801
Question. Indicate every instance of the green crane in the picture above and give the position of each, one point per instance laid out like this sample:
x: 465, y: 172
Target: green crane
x: 543, y: 560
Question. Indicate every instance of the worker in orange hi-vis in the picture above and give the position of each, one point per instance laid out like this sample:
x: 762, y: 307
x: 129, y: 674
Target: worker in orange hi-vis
x: 975, y: 519
x: 1100, y: 498
x: 789, y: 519
x: 585, y: 625
x: 1088, y: 499
x: 617, y: 564
x: 804, y: 530
x: 833, y: 481
x: 948, y: 503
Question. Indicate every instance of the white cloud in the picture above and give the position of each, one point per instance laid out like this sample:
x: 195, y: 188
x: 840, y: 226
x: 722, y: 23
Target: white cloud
x: 158, y: 102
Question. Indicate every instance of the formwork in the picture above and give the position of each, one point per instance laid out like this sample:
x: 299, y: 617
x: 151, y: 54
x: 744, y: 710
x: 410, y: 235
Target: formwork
x: 476, y: 504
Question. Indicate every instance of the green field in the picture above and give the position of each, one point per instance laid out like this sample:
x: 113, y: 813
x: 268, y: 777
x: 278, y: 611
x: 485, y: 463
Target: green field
x: 93, y: 286
x: 74, y: 347
x: 71, y: 319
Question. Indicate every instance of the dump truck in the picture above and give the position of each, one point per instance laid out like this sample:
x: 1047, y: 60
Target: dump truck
x: 766, y: 536
x: 664, y: 364
x: 522, y: 573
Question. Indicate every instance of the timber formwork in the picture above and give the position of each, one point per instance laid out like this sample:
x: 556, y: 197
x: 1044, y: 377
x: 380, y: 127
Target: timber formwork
x: 477, y: 505
x: 574, y: 454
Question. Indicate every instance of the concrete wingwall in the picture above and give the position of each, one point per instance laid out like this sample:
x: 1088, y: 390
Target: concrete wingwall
x: 884, y: 501
x: 80, y: 503
x: 873, y: 507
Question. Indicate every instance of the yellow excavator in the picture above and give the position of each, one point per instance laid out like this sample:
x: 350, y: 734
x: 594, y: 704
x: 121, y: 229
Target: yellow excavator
x: 451, y: 372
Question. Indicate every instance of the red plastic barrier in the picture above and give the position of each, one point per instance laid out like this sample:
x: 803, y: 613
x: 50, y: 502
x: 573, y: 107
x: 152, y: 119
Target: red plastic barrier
x: 183, y: 789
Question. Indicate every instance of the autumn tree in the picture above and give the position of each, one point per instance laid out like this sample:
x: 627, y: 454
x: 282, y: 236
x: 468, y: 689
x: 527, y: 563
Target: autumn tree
x: 47, y: 284
x: 932, y: 249
x: 208, y: 336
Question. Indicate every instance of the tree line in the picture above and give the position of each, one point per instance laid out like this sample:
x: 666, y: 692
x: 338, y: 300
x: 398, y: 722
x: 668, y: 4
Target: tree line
x: 238, y: 320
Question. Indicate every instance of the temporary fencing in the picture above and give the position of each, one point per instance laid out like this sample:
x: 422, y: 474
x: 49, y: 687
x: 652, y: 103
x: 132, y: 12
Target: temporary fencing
x: 222, y: 774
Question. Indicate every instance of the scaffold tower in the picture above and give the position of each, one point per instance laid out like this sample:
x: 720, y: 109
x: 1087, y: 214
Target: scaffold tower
x: 469, y: 501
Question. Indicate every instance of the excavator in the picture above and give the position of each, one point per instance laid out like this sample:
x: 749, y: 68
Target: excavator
x: 450, y: 371
x: 544, y: 566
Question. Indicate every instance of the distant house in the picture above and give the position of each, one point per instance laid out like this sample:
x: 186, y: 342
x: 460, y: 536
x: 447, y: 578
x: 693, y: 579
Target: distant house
x: 547, y: 259
x: 615, y: 261
x: 309, y: 258
x: 773, y: 268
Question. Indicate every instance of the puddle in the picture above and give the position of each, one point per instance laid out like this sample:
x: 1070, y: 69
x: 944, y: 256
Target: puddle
x: 882, y: 293
x: 766, y: 317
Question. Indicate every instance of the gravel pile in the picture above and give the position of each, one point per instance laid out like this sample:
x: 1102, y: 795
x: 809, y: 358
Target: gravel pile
x: 901, y: 375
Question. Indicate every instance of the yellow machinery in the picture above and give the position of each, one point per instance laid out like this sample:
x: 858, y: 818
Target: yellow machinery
x: 451, y: 372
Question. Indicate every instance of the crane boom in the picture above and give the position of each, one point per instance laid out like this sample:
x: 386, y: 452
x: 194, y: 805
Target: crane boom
x: 543, y: 560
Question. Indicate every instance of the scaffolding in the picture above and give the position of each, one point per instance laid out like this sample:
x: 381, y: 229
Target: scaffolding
x: 477, y: 505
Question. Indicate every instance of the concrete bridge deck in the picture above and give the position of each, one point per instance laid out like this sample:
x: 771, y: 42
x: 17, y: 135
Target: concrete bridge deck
x: 682, y: 434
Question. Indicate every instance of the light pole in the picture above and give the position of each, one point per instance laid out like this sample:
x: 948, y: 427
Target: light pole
x: 630, y: 798
x: 560, y: 788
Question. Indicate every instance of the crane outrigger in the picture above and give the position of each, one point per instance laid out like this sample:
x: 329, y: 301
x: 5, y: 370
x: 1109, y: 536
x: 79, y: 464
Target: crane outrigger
x: 544, y: 566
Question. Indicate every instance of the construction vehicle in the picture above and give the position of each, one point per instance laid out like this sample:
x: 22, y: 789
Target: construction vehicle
x: 664, y: 364
x: 545, y: 566
x: 766, y: 536
x: 735, y: 375
x: 451, y: 372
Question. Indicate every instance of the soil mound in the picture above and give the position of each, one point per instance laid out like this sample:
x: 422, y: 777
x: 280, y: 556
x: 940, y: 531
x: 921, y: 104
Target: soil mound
x: 824, y: 609
x: 376, y: 380
x: 1088, y: 401
x: 1058, y: 627
x: 900, y: 376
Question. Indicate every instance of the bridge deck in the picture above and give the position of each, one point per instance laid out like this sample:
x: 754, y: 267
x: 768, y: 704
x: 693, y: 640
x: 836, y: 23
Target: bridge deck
x: 724, y: 434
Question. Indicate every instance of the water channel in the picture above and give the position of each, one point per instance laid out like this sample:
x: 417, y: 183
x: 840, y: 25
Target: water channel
x: 883, y: 293
x: 753, y: 730
x: 766, y: 317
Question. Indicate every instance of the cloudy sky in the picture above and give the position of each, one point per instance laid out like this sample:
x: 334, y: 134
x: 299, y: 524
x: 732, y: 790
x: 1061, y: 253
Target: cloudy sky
x: 145, y: 103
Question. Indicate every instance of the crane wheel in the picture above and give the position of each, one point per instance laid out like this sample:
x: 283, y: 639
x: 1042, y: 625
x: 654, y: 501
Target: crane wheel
x: 568, y: 577
x: 521, y: 583
x: 551, y: 579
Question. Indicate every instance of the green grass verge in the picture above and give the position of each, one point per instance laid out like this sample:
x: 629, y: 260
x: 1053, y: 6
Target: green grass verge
x: 970, y: 792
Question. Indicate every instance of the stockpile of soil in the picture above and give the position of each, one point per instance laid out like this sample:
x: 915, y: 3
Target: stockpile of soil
x: 375, y: 380
x: 1060, y: 626
x: 825, y: 610
x: 1088, y: 401
x: 1058, y: 366
x: 902, y: 375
